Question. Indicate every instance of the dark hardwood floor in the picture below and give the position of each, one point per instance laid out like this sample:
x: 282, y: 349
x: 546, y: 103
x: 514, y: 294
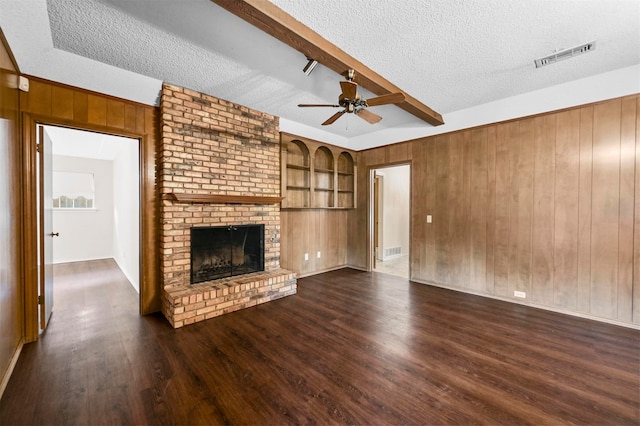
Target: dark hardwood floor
x: 350, y: 348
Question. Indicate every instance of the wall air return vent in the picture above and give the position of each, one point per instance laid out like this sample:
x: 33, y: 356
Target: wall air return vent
x: 565, y: 54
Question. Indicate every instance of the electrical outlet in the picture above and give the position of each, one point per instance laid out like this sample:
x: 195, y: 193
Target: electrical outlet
x: 318, y: 255
x: 429, y: 218
x: 520, y: 294
x: 306, y: 256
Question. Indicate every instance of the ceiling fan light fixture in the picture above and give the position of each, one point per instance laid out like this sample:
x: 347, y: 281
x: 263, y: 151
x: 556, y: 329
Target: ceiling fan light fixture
x: 311, y: 65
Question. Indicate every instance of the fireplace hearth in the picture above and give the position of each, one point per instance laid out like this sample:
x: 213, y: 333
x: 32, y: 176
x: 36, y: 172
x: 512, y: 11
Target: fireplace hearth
x: 226, y: 251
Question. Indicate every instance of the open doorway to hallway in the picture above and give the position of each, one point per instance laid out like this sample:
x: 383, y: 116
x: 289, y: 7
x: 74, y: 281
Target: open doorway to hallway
x: 94, y: 201
x: 390, y: 209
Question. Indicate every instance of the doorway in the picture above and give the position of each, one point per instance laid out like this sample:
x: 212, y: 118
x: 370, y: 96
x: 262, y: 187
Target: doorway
x: 89, y: 204
x: 390, y: 213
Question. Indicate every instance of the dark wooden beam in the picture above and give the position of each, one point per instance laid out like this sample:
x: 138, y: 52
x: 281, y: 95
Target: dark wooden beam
x: 277, y: 23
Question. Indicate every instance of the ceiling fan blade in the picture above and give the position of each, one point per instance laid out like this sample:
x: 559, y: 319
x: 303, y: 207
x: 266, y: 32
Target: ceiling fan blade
x: 349, y: 89
x: 368, y: 116
x: 333, y: 118
x: 317, y: 105
x: 391, y: 98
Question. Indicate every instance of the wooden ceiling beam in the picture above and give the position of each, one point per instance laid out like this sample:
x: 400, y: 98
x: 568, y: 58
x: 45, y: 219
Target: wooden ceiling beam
x: 284, y: 27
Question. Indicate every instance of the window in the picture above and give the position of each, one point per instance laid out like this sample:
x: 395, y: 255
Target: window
x: 72, y: 190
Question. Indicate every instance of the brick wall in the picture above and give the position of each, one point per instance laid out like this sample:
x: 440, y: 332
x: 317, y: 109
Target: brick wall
x: 211, y: 146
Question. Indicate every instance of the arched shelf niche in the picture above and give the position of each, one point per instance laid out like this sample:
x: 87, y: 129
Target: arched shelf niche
x: 316, y: 175
x: 346, y: 180
x: 297, y: 175
x: 323, y: 178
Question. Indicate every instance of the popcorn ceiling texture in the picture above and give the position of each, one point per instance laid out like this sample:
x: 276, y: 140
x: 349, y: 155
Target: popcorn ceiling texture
x: 211, y: 146
x: 449, y: 54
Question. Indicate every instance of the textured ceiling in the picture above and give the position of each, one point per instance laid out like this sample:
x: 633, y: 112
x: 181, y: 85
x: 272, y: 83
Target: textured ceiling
x: 451, y: 55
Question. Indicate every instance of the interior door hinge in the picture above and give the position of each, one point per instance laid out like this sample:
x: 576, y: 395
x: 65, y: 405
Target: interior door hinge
x: 40, y: 300
x: 38, y: 147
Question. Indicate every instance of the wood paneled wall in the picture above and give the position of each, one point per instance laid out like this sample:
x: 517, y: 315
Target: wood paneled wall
x: 11, y: 290
x: 53, y: 103
x: 309, y: 231
x: 547, y: 205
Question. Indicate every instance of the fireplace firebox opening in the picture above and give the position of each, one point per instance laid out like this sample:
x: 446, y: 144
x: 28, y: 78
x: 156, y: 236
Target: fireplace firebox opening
x: 226, y: 251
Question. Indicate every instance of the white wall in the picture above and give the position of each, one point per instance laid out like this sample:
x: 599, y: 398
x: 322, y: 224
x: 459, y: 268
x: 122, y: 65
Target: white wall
x: 395, y: 208
x: 126, y: 213
x: 85, y: 235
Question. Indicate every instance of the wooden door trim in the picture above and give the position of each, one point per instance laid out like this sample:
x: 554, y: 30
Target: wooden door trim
x: 30, y: 228
x: 370, y: 223
x: 149, y: 288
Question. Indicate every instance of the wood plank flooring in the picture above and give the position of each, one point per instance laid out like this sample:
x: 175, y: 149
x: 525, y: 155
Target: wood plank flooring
x: 350, y: 348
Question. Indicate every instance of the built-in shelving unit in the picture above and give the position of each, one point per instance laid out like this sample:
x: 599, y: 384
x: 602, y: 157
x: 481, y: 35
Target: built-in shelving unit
x: 296, y: 174
x: 316, y: 175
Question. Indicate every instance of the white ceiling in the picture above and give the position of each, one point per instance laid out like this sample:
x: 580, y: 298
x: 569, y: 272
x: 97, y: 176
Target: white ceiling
x: 82, y: 144
x: 470, y: 60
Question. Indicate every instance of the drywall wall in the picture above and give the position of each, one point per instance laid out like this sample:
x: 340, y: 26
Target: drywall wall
x: 395, y: 210
x: 85, y: 235
x: 126, y: 212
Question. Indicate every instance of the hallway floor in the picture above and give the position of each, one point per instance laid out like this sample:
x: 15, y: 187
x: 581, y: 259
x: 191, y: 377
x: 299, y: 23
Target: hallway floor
x: 398, y: 266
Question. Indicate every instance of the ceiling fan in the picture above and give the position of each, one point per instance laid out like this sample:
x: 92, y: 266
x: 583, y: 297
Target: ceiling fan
x: 350, y: 100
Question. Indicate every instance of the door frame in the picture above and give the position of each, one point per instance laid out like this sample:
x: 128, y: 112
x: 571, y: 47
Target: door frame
x: 149, y: 287
x: 370, y: 210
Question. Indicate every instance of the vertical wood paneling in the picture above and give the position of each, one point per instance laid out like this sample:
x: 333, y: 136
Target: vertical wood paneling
x: 454, y: 238
x: 513, y: 191
x: 397, y: 153
x: 636, y: 244
x: 526, y: 164
x: 309, y: 231
x: 550, y: 203
x: 12, y: 320
x: 478, y: 209
x: 524, y: 177
x: 565, y: 272
x: 491, y: 209
x: 115, y: 113
x: 627, y: 177
x: 433, y: 209
x: 142, y: 123
x: 81, y: 107
x: 584, y: 209
x: 419, y: 208
x: 285, y: 241
x: 151, y: 278
x: 605, y: 209
x: 62, y: 102
x: 502, y: 218
x: 96, y: 110
x: 39, y: 98
x: 543, y: 210
x: 130, y: 117
x: 464, y: 216
x: 441, y: 218
x: 358, y: 219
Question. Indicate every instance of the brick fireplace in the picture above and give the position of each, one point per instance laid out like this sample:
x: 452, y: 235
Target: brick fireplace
x: 219, y: 166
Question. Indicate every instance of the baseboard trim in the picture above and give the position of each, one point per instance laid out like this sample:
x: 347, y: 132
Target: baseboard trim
x: 333, y: 268
x: 358, y: 268
x: 533, y: 305
x: 12, y: 364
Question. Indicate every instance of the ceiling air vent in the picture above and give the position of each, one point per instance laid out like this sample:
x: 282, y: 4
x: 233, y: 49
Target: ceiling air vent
x: 565, y: 54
